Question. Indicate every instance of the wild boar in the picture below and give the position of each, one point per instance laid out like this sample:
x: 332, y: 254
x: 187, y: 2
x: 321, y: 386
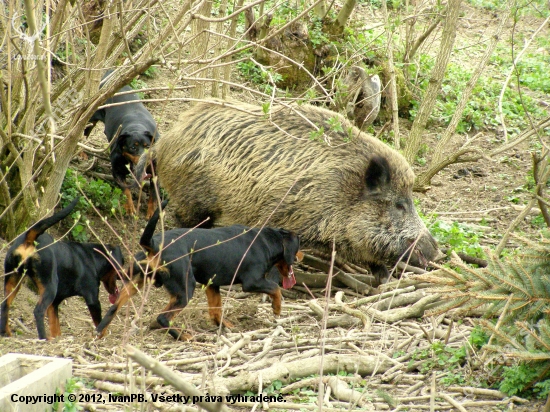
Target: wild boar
x: 305, y: 169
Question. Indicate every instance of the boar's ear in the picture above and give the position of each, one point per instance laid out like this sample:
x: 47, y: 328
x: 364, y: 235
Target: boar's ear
x: 378, y: 173
x: 291, y: 245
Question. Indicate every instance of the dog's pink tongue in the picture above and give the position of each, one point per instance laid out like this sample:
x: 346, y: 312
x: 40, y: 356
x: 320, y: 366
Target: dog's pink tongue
x: 113, y: 297
x: 290, y: 280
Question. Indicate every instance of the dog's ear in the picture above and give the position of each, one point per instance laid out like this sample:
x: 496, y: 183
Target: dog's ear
x: 291, y: 245
x: 114, y: 253
x: 121, y: 141
x: 117, y: 253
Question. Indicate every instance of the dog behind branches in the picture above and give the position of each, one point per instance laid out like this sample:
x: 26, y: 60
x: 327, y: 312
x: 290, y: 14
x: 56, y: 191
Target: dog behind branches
x: 180, y: 258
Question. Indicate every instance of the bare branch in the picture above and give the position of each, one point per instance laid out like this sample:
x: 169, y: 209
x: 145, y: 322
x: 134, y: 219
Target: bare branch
x: 393, y: 81
x: 436, y: 78
x: 509, y: 76
x: 422, y: 38
x: 438, y: 162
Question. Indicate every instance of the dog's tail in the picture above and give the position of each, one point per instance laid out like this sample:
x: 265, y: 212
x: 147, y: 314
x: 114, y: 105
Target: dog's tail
x: 146, y: 159
x: 27, y: 247
x: 41, y: 226
x: 145, y: 241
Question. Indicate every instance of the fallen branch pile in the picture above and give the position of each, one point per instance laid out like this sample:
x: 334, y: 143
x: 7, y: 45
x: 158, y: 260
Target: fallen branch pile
x: 376, y: 357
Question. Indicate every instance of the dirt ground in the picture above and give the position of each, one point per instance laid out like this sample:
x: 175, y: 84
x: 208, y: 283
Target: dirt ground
x: 465, y: 193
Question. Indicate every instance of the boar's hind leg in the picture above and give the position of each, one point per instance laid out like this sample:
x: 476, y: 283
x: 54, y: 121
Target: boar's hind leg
x: 196, y: 214
x: 195, y: 196
x: 380, y: 272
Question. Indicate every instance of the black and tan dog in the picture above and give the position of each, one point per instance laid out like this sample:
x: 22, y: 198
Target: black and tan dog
x: 212, y: 257
x: 138, y: 131
x: 59, y: 270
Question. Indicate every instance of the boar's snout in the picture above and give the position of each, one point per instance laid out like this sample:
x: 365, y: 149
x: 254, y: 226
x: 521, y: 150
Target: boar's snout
x: 422, y: 250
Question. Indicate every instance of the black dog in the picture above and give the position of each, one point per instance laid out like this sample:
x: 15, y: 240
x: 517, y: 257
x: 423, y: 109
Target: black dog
x: 138, y: 130
x: 213, y: 257
x: 59, y: 270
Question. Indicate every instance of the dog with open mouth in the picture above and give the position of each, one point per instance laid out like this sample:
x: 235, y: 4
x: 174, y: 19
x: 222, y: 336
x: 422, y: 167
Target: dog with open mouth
x: 178, y: 259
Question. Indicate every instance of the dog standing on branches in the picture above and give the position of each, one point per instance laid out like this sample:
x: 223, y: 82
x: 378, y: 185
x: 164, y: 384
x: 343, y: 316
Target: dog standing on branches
x: 178, y: 259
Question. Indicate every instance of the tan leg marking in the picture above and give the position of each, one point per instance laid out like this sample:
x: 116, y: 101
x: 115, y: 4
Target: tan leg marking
x: 150, y: 206
x: 53, y: 320
x: 11, y: 288
x: 276, y: 301
x: 214, y: 299
x: 129, y: 206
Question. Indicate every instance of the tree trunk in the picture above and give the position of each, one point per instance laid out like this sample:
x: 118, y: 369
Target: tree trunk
x: 436, y: 78
x: 320, y: 9
x: 547, y: 405
x: 67, y: 147
x: 227, y: 69
x: 219, y: 50
x: 344, y: 14
x: 393, y: 81
x: 200, y: 45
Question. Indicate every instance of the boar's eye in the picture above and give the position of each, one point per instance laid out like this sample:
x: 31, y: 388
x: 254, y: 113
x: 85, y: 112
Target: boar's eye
x: 377, y: 174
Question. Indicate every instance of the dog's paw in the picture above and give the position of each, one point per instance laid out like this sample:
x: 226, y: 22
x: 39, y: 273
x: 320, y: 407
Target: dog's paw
x: 154, y: 325
x: 228, y: 324
x: 185, y: 337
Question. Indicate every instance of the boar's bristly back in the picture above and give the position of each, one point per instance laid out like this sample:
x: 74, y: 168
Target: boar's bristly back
x: 307, y: 169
